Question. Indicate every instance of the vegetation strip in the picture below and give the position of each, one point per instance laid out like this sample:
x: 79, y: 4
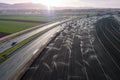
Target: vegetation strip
x: 7, y: 53
x: 13, y: 27
x: 17, y: 20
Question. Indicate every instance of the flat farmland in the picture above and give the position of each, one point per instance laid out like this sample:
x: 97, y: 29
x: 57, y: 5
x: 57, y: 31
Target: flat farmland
x: 14, y: 23
x: 30, y: 17
x: 12, y: 26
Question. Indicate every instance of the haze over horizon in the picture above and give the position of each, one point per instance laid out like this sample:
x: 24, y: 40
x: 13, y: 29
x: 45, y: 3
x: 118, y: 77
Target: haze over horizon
x: 71, y: 3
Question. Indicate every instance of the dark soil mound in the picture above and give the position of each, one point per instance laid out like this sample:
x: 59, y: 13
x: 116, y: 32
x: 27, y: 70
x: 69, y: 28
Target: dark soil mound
x: 2, y: 34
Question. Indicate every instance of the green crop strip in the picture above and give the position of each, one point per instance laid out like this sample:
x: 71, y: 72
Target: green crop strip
x: 13, y: 27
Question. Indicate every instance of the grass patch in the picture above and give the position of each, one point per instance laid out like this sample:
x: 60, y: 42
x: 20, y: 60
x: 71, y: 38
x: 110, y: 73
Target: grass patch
x: 29, y: 17
x: 12, y: 27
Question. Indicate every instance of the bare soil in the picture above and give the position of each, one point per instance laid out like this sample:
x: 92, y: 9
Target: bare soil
x: 2, y: 34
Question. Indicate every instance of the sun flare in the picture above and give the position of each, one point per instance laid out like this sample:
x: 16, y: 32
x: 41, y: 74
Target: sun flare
x: 48, y: 3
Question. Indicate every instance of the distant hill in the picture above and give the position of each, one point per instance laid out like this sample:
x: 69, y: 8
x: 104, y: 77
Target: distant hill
x: 62, y: 8
x: 22, y: 6
x: 34, y: 6
x: 2, y: 5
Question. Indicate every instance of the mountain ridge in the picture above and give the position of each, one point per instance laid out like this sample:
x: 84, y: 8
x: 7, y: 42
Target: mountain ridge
x: 30, y: 5
x: 22, y: 6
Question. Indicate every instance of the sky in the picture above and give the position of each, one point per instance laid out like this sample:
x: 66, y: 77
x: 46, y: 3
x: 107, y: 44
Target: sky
x: 72, y: 3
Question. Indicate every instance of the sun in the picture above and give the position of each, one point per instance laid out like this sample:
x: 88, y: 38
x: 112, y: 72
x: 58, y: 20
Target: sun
x: 48, y: 3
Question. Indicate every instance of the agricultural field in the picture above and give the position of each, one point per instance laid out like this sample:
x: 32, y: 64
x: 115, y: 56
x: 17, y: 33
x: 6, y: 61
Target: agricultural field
x: 30, y: 17
x: 14, y: 23
x: 12, y: 27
